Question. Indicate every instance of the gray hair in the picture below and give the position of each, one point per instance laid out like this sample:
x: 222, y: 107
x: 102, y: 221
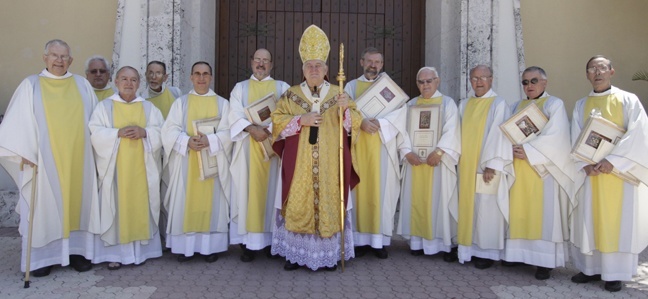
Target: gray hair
x: 57, y: 42
x: 490, y: 70
x: 538, y: 69
x: 128, y: 68
x: 429, y: 68
x: 97, y: 57
x: 597, y: 57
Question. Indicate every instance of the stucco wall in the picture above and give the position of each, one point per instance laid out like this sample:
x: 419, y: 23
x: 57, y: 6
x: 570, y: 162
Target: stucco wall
x: 88, y: 26
x: 560, y: 36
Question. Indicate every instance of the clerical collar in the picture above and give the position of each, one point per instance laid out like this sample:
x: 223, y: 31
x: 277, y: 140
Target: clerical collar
x: 602, y: 91
x: 540, y: 96
x: 152, y: 93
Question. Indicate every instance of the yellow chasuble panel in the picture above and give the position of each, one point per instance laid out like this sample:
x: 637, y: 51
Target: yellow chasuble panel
x: 526, y: 203
x: 367, y: 150
x: 132, y: 183
x: 259, y: 171
x: 199, y: 194
x: 64, y: 114
x: 163, y: 102
x: 473, y: 124
x: 421, y: 223
x: 607, y: 189
x: 103, y: 94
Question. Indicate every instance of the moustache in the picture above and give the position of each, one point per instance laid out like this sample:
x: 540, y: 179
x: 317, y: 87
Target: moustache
x: 261, y: 67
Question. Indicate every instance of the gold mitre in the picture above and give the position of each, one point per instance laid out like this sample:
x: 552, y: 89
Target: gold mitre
x: 314, y: 44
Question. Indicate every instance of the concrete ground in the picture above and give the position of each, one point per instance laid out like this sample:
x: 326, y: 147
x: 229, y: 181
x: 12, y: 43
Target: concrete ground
x: 400, y: 276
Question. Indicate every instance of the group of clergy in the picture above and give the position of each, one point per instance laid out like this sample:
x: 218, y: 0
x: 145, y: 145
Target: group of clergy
x: 111, y: 176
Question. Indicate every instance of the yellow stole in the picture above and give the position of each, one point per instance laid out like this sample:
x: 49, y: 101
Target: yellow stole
x: 64, y: 114
x: 607, y: 189
x: 473, y: 124
x: 132, y: 182
x: 163, y: 102
x: 199, y: 194
x: 259, y: 171
x: 103, y: 94
x: 526, y: 202
x: 422, y: 182
x: 367, y: 150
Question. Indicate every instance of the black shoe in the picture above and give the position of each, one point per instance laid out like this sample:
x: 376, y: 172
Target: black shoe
x: 248, y: 255
x: 417, y: 252
x: 613, y: 286
x: 582, y: 278
x: 381, y: 253
x: 542, y: 273
x: 211, y: 258
x: 42, y: 272
x: 80, y: 263
x: 288, y: 266
x: 451, y: 256
x: 331, y: 269
x: 268, y: 252
x: 183, y: 258
x: 511, y: 264
x: 360, y: 251
x: 481, y: 263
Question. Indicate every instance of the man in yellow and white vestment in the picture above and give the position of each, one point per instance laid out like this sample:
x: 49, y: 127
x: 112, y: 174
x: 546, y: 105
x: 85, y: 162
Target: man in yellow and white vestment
x: 486, y: 156
x: 609, y: 227
x: 198, y: 209
x: 306, y: 133
x: 97, y: 72
x: 428, y: 211
x: 255, y: 181
x: 46, y: 125
x: 375, y: 199
x: 538, y: 226
x: 126, y: 138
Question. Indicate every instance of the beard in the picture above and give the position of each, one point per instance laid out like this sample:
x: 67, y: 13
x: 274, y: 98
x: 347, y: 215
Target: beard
x: 371, y: 72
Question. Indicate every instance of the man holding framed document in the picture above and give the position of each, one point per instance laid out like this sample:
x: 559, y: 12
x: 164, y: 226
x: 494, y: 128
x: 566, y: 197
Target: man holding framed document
x: 199, y: 189
x: 428, y: 206
x: 255, y: 168
x: 609, y: 229
x: 485, y: 172
x: 538, y: 206
x: 381, y: 102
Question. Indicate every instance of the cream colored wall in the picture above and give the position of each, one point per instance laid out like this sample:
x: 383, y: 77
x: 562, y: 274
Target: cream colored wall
x: 560, y: 36
x: 88, y: 26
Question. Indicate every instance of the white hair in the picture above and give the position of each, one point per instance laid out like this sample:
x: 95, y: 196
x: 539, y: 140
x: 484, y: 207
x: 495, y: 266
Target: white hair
x: 57, y: 42
x: 97, y: 57
x: 429, y: 68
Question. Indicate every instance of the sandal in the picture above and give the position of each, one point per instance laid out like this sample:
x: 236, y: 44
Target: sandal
x: 114, y: 266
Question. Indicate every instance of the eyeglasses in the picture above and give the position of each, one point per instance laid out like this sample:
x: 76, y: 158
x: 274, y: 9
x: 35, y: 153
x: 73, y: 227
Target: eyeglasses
x: 533, y: 81
x: 601, y: 69
x: 262, y: 60
x: 428, y: 81
x: 482, y: 78
x: 57, y: 57
x: 205, y: 74
x: 97, y: 71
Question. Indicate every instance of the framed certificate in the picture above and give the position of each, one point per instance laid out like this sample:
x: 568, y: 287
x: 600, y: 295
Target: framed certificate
x: 525, y: 126
x: 424, y: 127
x: 597, y: 140
x: 259, y: 113
x: 208, y: 164
x: 382, y: 97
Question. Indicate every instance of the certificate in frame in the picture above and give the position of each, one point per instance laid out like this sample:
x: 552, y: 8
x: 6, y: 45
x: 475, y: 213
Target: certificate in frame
x: 259, y: 113
x: 207, y: 164
x: 382, y: 97
x: 597, y: 140
x: 424, y: 125
x: 525, y: 126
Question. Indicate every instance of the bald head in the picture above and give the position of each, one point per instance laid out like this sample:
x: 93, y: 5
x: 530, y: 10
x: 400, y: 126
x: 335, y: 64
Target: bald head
x: 261, y: 64
x: 481, y: 79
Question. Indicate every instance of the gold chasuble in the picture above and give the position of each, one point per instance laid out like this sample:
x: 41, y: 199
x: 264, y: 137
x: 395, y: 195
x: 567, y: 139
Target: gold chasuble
x: 473, y: 125
x: 367, y: 151
x: 607, y: 189
x: 103, y: 94
x: 422, y: 183
x: 64, y: 114
x: 132, y: 183
x: 526, y: 203
x: 163, y: 102
x: 199, y: 194
x: 259, y: 171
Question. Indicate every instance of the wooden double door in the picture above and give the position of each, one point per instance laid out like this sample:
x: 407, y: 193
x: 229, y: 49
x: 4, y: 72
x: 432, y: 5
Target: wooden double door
x: 394, y: 27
